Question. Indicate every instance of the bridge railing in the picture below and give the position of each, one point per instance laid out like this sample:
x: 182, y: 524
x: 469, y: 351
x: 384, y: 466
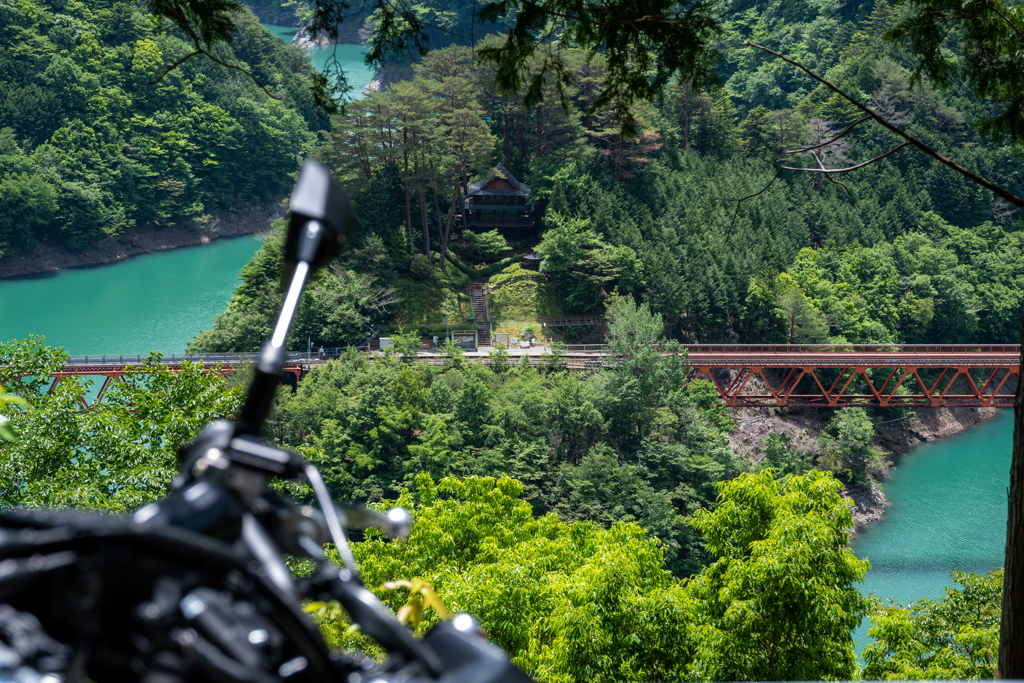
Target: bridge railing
x: 337, y: 351
x: 823, y: 348
x: 852, y: 348
x: 174, y: 358
x: 572, y: 320
x: 586, y: 348
x: 782, y: 349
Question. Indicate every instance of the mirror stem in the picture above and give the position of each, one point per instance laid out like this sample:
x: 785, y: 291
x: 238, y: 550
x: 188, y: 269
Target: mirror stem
x: 270, y: 367
x: 291, y: 302
x: 323, y: 497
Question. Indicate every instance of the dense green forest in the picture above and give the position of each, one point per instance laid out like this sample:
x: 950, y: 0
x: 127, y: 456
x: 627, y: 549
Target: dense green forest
x: 90, y: 147
x: 584, y: 499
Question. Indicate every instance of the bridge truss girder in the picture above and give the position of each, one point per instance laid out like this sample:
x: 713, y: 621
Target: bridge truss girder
x: 112, y: 374
x: 903, y: 386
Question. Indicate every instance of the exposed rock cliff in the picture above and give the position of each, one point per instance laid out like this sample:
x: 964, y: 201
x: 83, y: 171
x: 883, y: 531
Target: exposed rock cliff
x: 351, y: 34
x: 803, y: 426
x: 390, y: 74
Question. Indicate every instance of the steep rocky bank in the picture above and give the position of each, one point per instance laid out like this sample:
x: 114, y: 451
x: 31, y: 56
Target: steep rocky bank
x: 47, y: 258
x: 349, y: 34
x: 390, y: 74
x: 353, y: 34
x: 803, y: 426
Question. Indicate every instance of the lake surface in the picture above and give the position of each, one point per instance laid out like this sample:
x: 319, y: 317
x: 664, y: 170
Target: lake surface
x: 947, y: 511
x: 151, y: 302
x: 349, y: 58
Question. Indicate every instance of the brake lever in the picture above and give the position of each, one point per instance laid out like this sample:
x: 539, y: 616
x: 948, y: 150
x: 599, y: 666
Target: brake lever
x: 396, y: 522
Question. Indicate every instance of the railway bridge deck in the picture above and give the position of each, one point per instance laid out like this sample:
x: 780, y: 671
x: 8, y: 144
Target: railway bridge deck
x: 745, y: 375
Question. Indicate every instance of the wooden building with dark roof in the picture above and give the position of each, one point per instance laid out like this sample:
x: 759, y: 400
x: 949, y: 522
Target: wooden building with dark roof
x: 498, y: 201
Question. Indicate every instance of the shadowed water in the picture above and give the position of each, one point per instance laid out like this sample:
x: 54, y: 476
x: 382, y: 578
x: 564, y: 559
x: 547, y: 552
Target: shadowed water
x: 349, y: 58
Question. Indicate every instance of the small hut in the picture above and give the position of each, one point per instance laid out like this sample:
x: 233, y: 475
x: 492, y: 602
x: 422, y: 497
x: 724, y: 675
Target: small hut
x: 499, y: 201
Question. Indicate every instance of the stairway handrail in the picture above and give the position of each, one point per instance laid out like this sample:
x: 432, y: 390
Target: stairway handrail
x: 487, y: 310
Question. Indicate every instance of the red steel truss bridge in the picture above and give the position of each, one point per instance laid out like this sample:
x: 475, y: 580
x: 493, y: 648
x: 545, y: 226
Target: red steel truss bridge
x: 844, y: 375
x: 745, y: 375
x: 112, y: 368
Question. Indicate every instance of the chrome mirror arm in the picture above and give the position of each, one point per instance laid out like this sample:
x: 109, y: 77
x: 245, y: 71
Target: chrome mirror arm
x: 330, y: 512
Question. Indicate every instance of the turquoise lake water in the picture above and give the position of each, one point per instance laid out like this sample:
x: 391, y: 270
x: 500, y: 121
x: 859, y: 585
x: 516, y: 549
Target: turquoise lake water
x: 151, y: 302
x: 349, y: 57
x: 947, y: 511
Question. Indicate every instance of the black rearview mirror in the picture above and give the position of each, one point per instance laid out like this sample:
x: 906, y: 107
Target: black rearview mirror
x: 321, y: 199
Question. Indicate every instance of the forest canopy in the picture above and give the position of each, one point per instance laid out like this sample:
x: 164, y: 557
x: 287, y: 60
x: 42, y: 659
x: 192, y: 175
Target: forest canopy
x: 90, y: 146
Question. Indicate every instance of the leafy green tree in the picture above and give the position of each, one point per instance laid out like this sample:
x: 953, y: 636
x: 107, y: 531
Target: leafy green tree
x: 485, y: 244
x: 117, y: 456
x: 499, y: 359
x: 28, y: 205
x: 582, y: 264
x: 101, y: 148
x: 955, y: 637
x: 532, y: 581
x: 780, y: 457
x: 804, y: 324
x: 846, y: 446
x: 780, y: 603
x: 631, y: 327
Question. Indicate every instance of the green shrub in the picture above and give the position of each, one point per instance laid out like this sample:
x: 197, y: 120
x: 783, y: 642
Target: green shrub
x: 419, y: 266
x: 487, y: 271
x: 486, y: 243
x: 513, y: 271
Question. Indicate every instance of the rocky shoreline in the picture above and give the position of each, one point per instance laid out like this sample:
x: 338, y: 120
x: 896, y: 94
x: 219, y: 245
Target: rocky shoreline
x: 347, y: 35
x: 45, y: 258
x: 803, y: 426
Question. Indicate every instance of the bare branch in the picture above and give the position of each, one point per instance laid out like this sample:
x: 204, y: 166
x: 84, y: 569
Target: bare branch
x: 1002, y: 212
x: 992, y: 187
x: 840, y: 170
x: 821, y: 169
x: 831, y: 179
x: 829, y: 142
x: 199, y: 50
x: 174, y: 66
x: 1013, y: 26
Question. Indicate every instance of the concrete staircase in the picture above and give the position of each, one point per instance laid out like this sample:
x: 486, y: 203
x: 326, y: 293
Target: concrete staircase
x: 483, y: 329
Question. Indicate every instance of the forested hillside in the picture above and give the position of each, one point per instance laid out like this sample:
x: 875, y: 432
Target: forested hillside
x: 89, y: 147
x: 879, y: 256
x: 638, y: 443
